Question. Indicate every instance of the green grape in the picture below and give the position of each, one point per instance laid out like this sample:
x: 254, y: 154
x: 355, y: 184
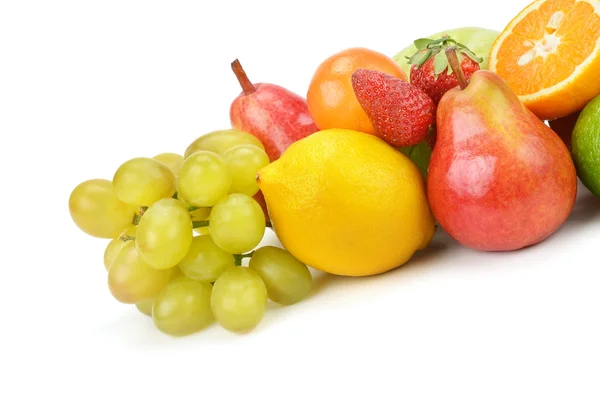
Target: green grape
x: 203, y: 230
x: 183, y: 307
x: 203, y: 179
x: 145, y: 307
x: 237, y: 223
x: 244, y: 161
x: 115, y: 245
x: 164, y: 233
x: 205, y: 261
x: 143, y: 181
x: 131, y: 280
x: 200, y: 214
x: 171, y: 160
x: 287, y: 279
x: 239, y: 299
x: 176, y: 273
x: 222, y: 140
x: 97, y: 211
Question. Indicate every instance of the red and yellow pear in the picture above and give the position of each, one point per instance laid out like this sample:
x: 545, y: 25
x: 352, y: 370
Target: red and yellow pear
x: 499, y: 179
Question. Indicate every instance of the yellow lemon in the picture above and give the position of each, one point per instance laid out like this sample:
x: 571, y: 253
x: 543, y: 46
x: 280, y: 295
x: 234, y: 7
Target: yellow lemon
x: 347, y: 203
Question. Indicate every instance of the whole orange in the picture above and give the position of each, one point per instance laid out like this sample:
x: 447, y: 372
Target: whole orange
x: 331, y: 99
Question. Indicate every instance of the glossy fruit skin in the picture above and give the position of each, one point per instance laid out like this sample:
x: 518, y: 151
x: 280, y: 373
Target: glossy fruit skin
x: 131, y: 280
x: 143, y: 181
x: 400, y: 112
x: 239, y: 299
x: 287, y: 280
x: 172, y: 160
x: 585, y: 146
x: 96, y: 210
x: 330, y: 97
x: 274, y: 115
x: 204, y: 179
x: 145, y: 307
x: 497, y: 183
x: 236, y: 223
x: 361, y: 210
x: 183, y: 307
x: 205, y: 261
x: 243, y: 162
x: 424, y: 77
x: 164, y: 234
x: 113, y: 248
x: 220, y: 141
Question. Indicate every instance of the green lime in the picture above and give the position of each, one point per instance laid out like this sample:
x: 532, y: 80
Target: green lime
x: 585, y: 146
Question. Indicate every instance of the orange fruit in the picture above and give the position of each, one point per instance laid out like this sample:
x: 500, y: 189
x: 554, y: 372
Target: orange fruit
x: 331, y: 99
x: 549, y: 54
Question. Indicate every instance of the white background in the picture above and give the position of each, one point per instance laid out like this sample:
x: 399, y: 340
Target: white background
x: 86, y: 85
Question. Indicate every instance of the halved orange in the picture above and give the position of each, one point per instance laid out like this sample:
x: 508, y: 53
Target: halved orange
x: 549, y: 54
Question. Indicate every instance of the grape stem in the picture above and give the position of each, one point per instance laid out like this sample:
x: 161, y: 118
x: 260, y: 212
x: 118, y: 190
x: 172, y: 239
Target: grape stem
x: 137, y: 216
x: 239, y: 257
x: 126, y: 238
x: 192, y: 208
x: 199, y: 224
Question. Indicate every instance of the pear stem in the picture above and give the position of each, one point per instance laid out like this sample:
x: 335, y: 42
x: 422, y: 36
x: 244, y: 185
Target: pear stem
x: 242, y: 78
x: 455, y: 65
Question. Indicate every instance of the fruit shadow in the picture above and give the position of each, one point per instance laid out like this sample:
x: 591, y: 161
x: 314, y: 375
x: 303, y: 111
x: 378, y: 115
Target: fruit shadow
x: 137, y: 331
x: 586, y: 209
x: 418, y: 264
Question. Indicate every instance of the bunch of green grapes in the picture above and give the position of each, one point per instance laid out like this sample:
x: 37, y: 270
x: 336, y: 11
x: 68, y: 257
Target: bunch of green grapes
x: 180, y: 228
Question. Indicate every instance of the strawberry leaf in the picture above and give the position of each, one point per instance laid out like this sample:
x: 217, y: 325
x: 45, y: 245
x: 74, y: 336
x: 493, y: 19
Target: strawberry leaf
x: 464, y: 49
x: 471, y: 55
x: 440, y: 63
x: 420, y: 44
x: 420, y: 57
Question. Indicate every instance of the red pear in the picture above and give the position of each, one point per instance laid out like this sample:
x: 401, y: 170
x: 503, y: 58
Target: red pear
x: 275, y: 115
x: 499, y: 179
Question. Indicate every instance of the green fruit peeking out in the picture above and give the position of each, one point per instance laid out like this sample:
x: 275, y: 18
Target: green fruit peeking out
x: 419, y: 154
x: 478, y: 40
x: 585, y: 146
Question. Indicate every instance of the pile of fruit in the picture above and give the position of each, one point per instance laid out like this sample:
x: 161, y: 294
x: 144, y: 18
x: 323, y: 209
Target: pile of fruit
x: 480, y: 133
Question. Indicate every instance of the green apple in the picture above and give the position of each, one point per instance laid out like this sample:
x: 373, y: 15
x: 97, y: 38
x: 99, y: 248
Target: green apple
x: 478, y: 40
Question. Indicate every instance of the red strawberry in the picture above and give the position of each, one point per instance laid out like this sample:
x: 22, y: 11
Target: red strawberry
x: 430, y: 70
x: 401, y: 113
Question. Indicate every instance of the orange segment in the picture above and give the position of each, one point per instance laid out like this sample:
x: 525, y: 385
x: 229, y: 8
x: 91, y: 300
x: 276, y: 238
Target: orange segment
x: 549, y: 54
